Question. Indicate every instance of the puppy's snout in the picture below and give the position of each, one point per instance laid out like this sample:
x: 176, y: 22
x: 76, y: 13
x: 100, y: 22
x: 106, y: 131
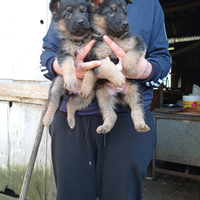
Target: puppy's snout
x: 80, y: 22
x: 125, y: 24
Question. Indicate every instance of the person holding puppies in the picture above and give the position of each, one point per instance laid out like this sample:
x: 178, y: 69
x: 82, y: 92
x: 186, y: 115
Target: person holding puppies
x: 88, y: 165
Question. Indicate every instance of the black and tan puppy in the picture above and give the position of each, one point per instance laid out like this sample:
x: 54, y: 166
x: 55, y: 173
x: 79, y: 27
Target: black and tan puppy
x: 109, y: 17
x: 72, y: 25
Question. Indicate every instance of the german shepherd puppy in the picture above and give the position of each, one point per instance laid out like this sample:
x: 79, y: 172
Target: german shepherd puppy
x: 72, y: 25
x: 109, y: 17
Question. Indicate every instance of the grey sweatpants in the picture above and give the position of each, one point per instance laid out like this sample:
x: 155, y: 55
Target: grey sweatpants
x: 88, y: 165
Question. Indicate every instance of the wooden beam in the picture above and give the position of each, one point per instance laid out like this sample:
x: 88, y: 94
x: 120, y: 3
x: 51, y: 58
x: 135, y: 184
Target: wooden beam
x: 23, y: 91
x: 192, y: 46
x: 5, y: 197
x: 182, y: 19
x: 181, y: 7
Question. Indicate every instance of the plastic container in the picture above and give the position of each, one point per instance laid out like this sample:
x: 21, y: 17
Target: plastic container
x: 192, y: 101
x: 195, y: 89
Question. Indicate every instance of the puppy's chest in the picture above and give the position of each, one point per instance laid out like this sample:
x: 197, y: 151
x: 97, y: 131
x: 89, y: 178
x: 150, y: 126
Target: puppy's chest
x: 73, y: 48
x: 102, y: 50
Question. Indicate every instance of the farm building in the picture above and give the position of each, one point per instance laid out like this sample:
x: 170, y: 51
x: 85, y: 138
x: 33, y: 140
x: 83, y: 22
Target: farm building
x: 24, y: 90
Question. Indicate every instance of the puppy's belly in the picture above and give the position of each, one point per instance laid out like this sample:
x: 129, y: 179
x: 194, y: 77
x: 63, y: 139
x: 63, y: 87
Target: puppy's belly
x: 113, y: 90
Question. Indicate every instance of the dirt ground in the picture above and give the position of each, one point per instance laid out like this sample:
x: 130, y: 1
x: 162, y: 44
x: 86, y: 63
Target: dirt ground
x: 164, y: 187
x: 168, y: 187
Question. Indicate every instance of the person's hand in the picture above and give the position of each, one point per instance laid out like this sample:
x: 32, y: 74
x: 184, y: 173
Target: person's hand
x: 81, y: 66
x: 118, y: 51
x: 144, y: 68
x: 56, y: 67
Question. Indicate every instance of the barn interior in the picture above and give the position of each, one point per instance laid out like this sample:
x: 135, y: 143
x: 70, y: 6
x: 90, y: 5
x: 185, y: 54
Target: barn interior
x: 182, y: 21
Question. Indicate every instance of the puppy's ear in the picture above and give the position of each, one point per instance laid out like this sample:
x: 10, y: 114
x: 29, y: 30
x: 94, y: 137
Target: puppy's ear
x: 54, y: 6
x: 95, y: 4
x: 128, y: 1
x: 97, y: 1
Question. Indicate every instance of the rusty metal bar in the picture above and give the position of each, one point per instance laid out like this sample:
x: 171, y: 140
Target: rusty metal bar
x: 164, y: 171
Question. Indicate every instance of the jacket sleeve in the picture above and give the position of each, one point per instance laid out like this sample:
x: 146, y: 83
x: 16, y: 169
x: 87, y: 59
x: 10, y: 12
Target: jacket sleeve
x: 157, y: 53
x: 50, y: 47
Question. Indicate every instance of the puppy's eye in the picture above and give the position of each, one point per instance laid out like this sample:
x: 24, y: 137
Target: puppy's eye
x: 68, y: 14
x: 125, y: 13
x: 111, y: 13
x: 83, y: 10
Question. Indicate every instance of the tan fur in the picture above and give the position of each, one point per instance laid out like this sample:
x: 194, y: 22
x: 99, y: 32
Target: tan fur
x: 99, y: 24
x: 113, y: 6
x: 61, y: 24
x: 109, y: 71
x: 88, y: 84
x: 107, y: 105
x: 103, y: 51
x: 137, y: 114
x: 69, y: 73
x: 130, y: 62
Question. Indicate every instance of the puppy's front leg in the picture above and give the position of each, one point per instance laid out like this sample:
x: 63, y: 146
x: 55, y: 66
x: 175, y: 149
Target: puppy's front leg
x: 130, y: 63
x: 88, y: 84
x: 69, y: 73
x: 109, y: 71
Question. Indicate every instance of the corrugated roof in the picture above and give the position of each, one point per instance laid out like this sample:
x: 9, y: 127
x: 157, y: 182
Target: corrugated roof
x: 182, y: 20
x: 182, y: 17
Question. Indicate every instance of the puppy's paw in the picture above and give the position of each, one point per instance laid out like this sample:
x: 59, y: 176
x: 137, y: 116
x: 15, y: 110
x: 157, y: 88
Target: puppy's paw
x: 119, y: 81
x: 103, y: 129
x: 71, y: 122
x: 85, y: 93
x: 142, y: 128
x: 47, y: 120
x: 70, y: 83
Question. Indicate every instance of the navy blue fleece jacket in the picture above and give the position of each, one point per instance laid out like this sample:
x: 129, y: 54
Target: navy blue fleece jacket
x: 147, y: 20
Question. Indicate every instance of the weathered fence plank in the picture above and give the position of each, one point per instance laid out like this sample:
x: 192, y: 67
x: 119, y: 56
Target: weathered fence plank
x: 4, y: 145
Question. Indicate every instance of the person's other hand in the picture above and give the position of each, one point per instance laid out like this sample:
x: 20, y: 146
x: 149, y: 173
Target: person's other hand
x: 81, y: 66
x: 144, y: 68
x: 118, y: 51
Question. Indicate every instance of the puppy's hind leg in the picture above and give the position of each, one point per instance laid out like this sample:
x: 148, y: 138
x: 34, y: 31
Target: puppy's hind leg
x: 55, y: 92
x: 106, y: 104
x: 134, y: 99
x: 76, y: 102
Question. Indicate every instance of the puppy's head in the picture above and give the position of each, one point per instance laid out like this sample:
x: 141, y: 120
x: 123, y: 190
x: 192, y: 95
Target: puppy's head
x: 71, y: 17
x: 109, y: 17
